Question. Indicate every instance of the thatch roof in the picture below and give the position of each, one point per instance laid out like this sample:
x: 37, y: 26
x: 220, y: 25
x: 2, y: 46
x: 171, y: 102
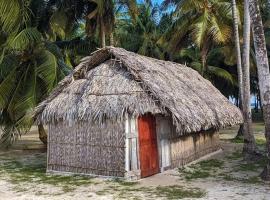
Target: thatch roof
x: 112, y: 82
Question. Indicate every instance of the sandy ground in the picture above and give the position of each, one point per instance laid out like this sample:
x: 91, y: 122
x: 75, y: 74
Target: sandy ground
x: 225, y: 181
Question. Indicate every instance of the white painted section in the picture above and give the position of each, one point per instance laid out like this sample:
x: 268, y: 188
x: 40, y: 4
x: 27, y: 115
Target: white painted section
x: 165, y: 153
x: 127, y: 157
x: 132, y: 149
x: 163, y: 129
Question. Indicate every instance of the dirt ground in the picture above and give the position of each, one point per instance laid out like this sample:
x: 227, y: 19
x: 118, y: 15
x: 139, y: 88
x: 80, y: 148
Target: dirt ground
x: 223, y: 175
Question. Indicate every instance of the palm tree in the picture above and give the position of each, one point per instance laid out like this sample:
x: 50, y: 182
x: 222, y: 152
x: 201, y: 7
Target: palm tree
x: 235, y: 16
x: 249, y: 148
x: 207, y: 22
x: 142, y: 34
x: 103, y: 16
x: 191, y: 56
x: 263, y: 74
x: 29, y: 68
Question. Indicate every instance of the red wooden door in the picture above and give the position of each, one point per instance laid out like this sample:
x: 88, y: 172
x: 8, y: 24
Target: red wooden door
x: 149, y: 161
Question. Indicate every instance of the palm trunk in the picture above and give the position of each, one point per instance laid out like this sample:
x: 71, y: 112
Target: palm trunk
x: 263, y: 74
x: 42, y: 134
x: 240, y: 132
x: 102, y: 33
x: 204, y: 53
x: 249, y: 148
x: 111, y: 40
x: 238, y: 50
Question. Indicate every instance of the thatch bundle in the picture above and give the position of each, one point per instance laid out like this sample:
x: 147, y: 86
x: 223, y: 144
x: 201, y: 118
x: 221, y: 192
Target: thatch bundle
x: 113, y: 82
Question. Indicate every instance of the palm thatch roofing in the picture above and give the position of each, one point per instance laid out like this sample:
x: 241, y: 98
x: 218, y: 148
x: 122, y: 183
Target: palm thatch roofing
x: 113, y: 82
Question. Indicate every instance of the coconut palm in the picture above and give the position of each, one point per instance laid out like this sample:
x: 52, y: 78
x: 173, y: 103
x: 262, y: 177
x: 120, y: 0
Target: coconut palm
x: 263, y: 74
x: 192, y: 57
x: 206, y: 22
x: 249, y: 148
x: 30, y: 67
x: 142, y: 34
x: 236, y: 18
x: 102, y: 16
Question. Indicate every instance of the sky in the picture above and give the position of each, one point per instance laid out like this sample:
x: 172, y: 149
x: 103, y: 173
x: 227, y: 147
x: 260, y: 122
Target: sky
x: 154, y: 1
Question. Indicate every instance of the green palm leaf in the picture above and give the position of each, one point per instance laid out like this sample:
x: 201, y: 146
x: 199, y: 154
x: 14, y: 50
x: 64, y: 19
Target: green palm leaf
x: 7, y: 86
x: 13, y: 13
x: 222, y: 73
x: 47, y: 69
x: 25, y: 38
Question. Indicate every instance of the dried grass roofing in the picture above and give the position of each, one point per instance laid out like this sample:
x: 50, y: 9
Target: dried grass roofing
x: 112, y: 82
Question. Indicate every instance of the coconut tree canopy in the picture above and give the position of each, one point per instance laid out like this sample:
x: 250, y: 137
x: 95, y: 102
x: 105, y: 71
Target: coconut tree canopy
x: 113, y: 82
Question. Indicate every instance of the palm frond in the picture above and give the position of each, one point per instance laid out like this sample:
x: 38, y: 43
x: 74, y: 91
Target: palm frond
x: 7, y: 65
x: 222, y: 73
x: 196, y: 66
x: 13, y: 13
x: 58, y: 22
x: 201, y: 28
x: 47, y: 69
x: 25, y: 38
x: 7, y: 86
x: 220, y: 32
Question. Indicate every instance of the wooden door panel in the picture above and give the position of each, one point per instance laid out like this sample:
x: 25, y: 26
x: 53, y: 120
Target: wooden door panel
x: 149, y: 161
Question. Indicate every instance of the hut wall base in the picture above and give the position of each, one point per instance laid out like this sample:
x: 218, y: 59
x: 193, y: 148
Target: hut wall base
x: 186, y: 149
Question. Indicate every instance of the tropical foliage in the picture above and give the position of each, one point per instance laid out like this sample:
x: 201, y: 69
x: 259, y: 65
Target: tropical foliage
x: 42, y: 40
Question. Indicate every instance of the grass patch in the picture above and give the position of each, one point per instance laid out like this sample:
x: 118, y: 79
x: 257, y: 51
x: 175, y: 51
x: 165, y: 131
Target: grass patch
x: 195, y: 174
x: 203, y: 169
x: 235, y: 155
x: 248, y: 167
x: 260, y: 142
x: 248, y: 180
x: 253, y: 180
x: 238, y: 140
x: 210, y: 164
x: 124, y: 183
x: 34, y: 171
x: 178, y: 192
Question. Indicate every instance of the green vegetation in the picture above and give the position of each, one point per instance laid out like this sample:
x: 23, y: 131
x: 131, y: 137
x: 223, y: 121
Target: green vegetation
x: 167, y: 192
x: 177, y: 192
x: 248, y: 180
x: 25, y: 171
x: 259, y: 141
x: 19, y: 172
x: 42, y: 40
x: 202, y: 169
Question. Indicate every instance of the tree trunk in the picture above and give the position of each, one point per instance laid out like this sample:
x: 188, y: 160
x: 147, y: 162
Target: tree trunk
x: 111, y: 39
x: 240, y: 132
x: 42, y: 134
x: 102, y: 33
x: 249, y: 148
x: 263, y: 74
x: 204, y: 54
x: 238, y: 50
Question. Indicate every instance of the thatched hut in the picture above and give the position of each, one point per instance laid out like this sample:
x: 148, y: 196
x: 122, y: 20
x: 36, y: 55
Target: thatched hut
x: 126, y: 115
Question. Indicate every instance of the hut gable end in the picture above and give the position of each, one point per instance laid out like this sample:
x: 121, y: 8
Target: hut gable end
x: 112, y: 82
